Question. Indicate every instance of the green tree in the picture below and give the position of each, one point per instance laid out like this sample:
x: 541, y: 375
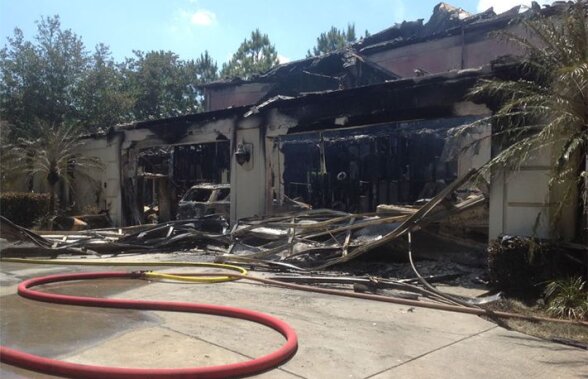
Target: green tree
x: 101, y: 98
x: 206, y: 68
x: 52, y: 154
x: 254, y: 56
x: 54, y: 80
x: 547, y: 108
x: 206, y: 72
x: 332, y: 40
x: 161, y: 84
x: 38, y: 79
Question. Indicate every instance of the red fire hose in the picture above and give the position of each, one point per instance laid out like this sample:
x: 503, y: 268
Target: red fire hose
x: 74, y: 370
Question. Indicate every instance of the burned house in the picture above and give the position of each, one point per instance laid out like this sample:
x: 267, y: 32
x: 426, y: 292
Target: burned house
x: 348, y: 130
x: 348, y: 149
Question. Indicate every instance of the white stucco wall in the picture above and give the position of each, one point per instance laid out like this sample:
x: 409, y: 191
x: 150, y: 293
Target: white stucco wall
x: 253, y: 184
x: 105, y: 192
x: 475, y: 146
x: 248, y: 181
x: 521, y: 203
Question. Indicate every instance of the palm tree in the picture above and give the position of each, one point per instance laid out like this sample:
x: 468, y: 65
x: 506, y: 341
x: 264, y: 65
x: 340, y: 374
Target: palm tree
x: 548, y: 106
x: 53, y: 155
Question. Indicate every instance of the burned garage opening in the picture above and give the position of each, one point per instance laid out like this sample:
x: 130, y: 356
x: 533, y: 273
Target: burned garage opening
x: 355, y: 169
x: 167, y: 173
x: 201, y: 163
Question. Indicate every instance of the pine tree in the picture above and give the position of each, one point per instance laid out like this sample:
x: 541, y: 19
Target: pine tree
x: 332, y: 40
x: 206, y: 68
x: 255, y: 55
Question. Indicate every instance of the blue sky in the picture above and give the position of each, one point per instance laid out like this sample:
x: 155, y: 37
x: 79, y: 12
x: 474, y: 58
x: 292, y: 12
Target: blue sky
x: 188, y: 27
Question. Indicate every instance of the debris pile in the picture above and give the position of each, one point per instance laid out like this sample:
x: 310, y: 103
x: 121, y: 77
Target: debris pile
x: 318, y: 239
x: 301, y: 243
x: 304, y: 241
x: 208, y: 232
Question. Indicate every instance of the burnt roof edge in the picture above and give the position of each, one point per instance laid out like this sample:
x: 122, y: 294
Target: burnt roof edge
x: 249, y: 110
x: 188, y: 118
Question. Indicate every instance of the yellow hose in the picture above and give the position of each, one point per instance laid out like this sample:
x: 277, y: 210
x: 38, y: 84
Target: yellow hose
x: 176, y: 277
x: 199, y: 279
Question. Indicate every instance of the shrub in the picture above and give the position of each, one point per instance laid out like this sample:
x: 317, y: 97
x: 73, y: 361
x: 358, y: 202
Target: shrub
x: 23, y: 208
x: 521, y: 265
x: 567, y: 298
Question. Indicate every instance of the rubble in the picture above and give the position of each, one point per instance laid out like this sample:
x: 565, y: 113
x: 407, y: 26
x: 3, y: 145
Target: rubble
x: 205, y: 232
x: 309, y: 240
x: 301, y: 242
x: 317, y: 239
x: 306, y: 241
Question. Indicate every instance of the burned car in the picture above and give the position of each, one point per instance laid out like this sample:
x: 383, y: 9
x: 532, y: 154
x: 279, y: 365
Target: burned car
x: 205, y: 199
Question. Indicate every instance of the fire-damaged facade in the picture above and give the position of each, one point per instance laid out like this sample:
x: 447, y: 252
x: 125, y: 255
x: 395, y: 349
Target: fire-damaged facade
x: 350, y: 130
x: 348, y: 149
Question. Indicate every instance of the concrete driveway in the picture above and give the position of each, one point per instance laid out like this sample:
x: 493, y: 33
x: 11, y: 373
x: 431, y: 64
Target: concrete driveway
x: 338, y: 337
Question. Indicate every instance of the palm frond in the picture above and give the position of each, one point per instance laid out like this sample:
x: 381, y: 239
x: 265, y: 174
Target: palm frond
x: 54, y: 154
x: 547, y: 109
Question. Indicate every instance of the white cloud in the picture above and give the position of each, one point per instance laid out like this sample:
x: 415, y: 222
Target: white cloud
x: 504, y: 5
x: 283, y: 59
x: 203, y: 17
x: 184, y: 21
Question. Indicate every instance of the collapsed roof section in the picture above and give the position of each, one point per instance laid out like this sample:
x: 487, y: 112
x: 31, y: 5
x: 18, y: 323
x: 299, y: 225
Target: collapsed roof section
x: 451, y: 39
x: 444, y: 18
x: 331, y: 70
x: 448, y: 20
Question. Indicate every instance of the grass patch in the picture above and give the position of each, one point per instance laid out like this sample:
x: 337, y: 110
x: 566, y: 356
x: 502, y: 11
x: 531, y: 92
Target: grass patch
x: 546, y: 330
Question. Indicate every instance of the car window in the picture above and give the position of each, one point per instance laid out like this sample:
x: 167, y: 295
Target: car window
x: 198, y: 194
x: 224, y: 194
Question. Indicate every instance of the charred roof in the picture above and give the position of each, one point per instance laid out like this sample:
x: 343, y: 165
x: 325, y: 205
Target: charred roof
x: 445, y: 20
x: 409, y: 98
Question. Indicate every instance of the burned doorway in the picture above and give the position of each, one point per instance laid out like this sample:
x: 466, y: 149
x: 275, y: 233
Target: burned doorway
x: 355, y: 169
x: 153, y: 182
